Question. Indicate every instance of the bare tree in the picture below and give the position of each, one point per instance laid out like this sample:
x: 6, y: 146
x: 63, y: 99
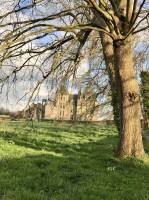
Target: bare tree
x: 66, y: 31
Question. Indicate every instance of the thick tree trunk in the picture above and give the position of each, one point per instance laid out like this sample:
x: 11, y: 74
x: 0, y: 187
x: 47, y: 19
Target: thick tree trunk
x: 108, y: 52
x: 131, y: 138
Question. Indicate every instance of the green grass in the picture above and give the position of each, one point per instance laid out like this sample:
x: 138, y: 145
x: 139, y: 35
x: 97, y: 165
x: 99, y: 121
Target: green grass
x: 61, y: 161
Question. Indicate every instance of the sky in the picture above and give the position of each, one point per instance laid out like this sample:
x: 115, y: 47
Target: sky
x: 12, y: 94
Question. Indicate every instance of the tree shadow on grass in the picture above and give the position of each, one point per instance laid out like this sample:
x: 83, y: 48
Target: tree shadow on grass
x: 47, y: 137
x: 83, y: 171
x: 81, y: 128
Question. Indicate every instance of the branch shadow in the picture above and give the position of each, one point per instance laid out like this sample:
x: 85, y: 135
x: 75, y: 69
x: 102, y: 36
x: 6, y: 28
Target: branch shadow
x: 82, y: 171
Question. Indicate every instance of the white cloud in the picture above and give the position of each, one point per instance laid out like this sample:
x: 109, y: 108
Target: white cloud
x: 83, y: 67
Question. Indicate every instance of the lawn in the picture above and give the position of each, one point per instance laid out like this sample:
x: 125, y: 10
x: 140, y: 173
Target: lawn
x: 61, y: 161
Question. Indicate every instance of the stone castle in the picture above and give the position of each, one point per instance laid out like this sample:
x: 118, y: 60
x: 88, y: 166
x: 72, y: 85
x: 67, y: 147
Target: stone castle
x: 66, y: 106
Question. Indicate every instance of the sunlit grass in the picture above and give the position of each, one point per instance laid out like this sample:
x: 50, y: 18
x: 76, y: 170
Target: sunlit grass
x: 64, y: 161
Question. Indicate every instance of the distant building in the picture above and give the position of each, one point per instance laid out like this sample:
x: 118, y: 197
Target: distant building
x: 72, y: 107
x: 35, y: 111
x: 65, y: 106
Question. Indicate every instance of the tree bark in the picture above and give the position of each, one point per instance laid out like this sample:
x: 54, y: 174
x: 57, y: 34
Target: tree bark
x: 108, y: 52
x: 130, y: 112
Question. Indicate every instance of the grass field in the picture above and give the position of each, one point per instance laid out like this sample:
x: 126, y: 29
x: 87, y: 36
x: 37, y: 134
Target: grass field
x: 61, y: 161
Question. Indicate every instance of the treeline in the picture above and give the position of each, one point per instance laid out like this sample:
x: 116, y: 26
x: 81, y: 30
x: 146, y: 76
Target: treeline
x: 4, y: 111
x: 13, y: 115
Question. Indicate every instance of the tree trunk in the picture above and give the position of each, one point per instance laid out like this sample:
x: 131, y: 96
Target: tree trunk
x: 145, y: 97
x: 75, y: 105
x: 108, y: 52
x: 131, y: 138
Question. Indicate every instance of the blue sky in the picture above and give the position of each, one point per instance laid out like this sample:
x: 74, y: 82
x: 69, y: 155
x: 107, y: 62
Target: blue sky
x: 20, y: 90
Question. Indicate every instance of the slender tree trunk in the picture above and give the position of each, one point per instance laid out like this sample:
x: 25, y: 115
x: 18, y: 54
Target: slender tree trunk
x: 108, y: 52
x: 145, y: 98
x: 75, y: 105
x: 131, y: 138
